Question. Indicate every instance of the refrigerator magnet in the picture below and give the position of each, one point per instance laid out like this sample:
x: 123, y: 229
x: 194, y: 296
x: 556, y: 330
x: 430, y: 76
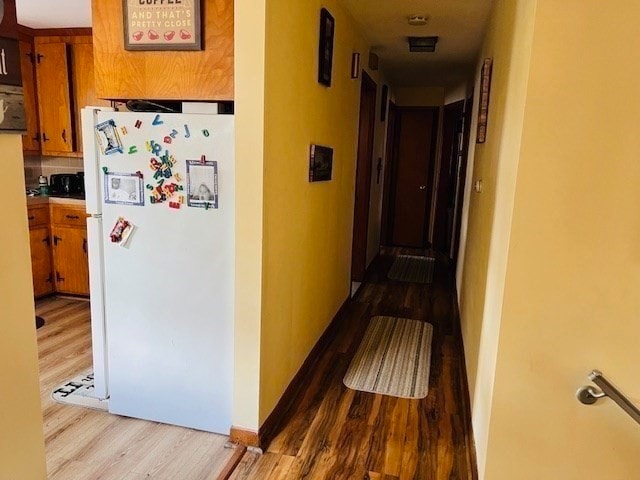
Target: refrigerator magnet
x: 108, y: 138
x: 202, y: 184
x: 121, y: 232
x: 124, y: 188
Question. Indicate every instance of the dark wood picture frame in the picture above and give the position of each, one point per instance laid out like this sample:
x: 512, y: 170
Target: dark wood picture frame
x: 320, y: 163
x: 162, y: 36
x: 485, y: 90
x: 325, y: 48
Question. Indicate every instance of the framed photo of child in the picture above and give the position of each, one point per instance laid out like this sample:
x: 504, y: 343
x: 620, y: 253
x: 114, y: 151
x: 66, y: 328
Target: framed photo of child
x: 202, y: 184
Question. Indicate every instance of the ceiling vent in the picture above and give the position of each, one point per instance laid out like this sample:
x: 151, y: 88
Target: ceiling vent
x: 422, y: 44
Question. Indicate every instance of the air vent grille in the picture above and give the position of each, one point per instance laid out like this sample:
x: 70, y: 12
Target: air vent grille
x: 422, y: 44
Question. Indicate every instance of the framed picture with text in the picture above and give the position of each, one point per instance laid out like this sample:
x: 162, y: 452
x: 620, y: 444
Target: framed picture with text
x: 485, y: 91
x: 166, y: 25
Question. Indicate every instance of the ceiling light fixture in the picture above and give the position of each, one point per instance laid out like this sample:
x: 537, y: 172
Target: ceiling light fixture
x: 418, y: 20
x: 422, y: 44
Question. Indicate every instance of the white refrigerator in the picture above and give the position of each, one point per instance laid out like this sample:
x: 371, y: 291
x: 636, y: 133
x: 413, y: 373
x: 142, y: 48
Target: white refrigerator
x: 160, y: 198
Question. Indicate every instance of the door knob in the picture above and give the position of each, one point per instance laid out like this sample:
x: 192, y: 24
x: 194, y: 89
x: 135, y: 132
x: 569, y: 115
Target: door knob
x: 423, y: 187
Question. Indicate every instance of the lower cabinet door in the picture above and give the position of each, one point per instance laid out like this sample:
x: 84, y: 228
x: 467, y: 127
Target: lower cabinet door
x: 70, y: 261
x: 41, y: 261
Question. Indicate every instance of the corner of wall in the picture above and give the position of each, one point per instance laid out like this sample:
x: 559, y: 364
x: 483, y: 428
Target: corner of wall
x: 487, y: 216
x: 249, y: 114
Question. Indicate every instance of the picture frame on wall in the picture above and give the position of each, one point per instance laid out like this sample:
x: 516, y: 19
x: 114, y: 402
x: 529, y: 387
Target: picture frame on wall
x: 12, y: 111
x: 160, y: 26
x: 320, y: 163
x: 485, y: 90
x: 325, y: 48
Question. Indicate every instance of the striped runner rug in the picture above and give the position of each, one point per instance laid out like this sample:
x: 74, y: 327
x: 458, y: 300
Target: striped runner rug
x: 411, y: 268
x: 394, y: 358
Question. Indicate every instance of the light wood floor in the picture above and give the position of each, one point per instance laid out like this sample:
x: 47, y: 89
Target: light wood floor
x: 87, y: 444
x: 332, y: 432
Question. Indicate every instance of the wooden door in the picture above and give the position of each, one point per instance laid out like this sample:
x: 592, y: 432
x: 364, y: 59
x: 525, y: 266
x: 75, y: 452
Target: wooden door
x: 447, y: 176
x: 70, y: 260
x: 54, y: 98
x: 412, y: 171
x: 83, y: 84
x: 41, y: 261
x: 31, y: 140
x: 363, y: 177
x: 461, y: 175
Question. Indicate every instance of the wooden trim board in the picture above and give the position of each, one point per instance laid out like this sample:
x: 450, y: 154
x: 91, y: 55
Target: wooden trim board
x: 232, y: 463
x: 466, y: 400
x: 274, y: 421
x: 248, y: 438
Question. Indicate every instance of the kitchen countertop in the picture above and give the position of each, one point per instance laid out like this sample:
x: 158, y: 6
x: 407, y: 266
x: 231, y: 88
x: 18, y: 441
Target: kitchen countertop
x: 41, y: 200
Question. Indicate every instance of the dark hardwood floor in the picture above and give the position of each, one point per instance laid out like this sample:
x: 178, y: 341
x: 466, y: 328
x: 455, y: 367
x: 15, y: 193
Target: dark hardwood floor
x: 332, y: 432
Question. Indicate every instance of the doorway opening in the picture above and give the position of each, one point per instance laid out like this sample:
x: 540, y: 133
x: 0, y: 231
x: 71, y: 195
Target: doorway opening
x: 368, y: 91
x: 407, y: 200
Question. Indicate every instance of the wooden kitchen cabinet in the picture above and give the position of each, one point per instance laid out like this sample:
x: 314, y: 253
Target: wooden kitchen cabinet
x: 31, y: 140
x: 84, y: 85
x: 65, y: 85
x: 40, y: 241
x: 70, y: 249
x: 54, y: 106
x: 206, y: 74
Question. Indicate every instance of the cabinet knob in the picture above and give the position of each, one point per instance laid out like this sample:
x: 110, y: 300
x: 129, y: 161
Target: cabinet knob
x: 46, y: 240
x: 31, y: 217
x: 59, y: 278
x: 44, y: 137
x: 72, y: 217
x: 64, y: 136
x: 84, y: 245
x: 56, y: 239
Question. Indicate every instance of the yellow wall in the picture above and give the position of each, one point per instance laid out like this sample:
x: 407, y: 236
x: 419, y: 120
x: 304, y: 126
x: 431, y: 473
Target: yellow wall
x: 307, y: 226
x: 487, y: 220
x: 419, y: 96
x: 21, y: 437
x: 249, y: 110
x: 571, y: 301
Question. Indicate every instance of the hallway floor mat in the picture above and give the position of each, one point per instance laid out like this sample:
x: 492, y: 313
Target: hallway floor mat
x: 394, y: 358
x: 79, y: 391
x: 411, y: 268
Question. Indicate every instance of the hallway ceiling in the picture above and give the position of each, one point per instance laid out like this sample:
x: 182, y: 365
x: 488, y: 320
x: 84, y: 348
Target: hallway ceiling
x: 460, y: 24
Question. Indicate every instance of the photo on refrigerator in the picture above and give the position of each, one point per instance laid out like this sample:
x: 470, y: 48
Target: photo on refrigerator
x: 202, y: 184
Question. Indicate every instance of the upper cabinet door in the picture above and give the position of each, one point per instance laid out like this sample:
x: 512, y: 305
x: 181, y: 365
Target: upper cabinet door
x: 30, y: 141
x: 83, y: 84
x: 54, y: 98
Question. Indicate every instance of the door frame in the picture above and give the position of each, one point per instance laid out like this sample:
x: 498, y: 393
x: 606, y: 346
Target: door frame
x: 363, y: 180
x: 445, y: 180
x: 392, y: 172
x: 463, y: 159
x: 389, y: 162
